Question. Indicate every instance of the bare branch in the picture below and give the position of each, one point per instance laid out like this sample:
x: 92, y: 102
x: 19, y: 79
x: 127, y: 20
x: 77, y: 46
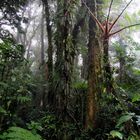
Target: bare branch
x: 107, y: 20
x: 94, y: 18
x: 119, y: 15
x: 124, y: 29
x: 109, y: 10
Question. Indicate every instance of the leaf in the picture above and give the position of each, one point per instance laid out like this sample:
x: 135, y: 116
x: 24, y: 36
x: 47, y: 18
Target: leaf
x: 125, y: 118
x: 116, y: 134
x: 128, y: 18
x: 2, y: 110
x: 138, y: 120
x: 136, y: 98
x: 23, y: 99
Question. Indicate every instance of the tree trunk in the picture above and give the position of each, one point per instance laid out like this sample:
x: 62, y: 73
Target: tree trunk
x: 49, y: 99
x: 94, y: 70
x: 42, y: 38
x: 107, y: 68
x: 63, y: 65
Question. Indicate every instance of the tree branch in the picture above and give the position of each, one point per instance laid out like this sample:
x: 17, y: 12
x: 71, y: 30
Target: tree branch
x: 107, y: 19
x: 109, y: 10
x: 124, y: 29
x: 119, y: 15
x: 94, y: 18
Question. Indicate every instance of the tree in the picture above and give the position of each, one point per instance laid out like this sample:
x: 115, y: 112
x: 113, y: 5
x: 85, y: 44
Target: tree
x: 49, y: 65
x: 106, y: 28
x: 95, y: 57
x: 62, y: 69
x: 10, y: 15
x: 94, y: 70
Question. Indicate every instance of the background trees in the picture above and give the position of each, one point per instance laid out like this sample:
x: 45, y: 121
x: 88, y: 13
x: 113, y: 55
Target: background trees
x: 61, y: 78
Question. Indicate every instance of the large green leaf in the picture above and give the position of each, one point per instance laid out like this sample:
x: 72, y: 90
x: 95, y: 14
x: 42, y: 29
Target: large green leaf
x: 116, y: 134
x: 124, y: 119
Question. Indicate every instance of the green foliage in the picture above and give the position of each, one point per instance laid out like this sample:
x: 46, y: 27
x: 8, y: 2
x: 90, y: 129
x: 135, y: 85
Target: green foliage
x: 2, y: 111
x: 136, y: 72
x: 10, y: 15
x: 34, y: 127
x: 133, y: 136
x: 116, y: 134
x: 138, y: 120
x: 17, y: 133
x: 54, y: 128
x: 125, y: 118
x: 16, y: 87
x: 80, y: 86
x: 128, y: 18
x: 15, y: 81
x: 124, y: 128
x: 136, y: 98
x: 10, y: 53
x: 50, y: 126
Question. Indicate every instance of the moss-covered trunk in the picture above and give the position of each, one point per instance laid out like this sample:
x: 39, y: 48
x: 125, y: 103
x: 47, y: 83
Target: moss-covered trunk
x: 94, y: 54
x: 108, y: 83
x: 64, y: 57
x: 49, y: 97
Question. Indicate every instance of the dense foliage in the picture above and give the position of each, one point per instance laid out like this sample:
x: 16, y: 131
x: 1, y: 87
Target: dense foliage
x: 81, y: 86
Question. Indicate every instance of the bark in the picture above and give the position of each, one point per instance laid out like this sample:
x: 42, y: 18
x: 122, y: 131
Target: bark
x: 108, y: 82
x: 49, y: 66
x: 42, y: 38
x: 62, y: 62
x: 94, y: 70
x: 49, y: 32
x: 65, y: 55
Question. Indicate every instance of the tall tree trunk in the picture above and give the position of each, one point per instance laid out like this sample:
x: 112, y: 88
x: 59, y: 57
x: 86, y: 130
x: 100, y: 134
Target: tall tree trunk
x: 50, y: 46
x: 75, y: 32
x: 49, y: 66
x: 42, y: 38
x: 64, y: 53
x: 94, y: 70
x: 42, y: 71
x: 106, y: 67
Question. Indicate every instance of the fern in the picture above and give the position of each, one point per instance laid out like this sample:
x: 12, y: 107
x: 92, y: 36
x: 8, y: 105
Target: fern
x: 17, y: 133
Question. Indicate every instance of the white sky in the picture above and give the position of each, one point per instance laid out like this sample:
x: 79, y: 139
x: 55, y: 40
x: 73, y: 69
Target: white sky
x: 134, y: 7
